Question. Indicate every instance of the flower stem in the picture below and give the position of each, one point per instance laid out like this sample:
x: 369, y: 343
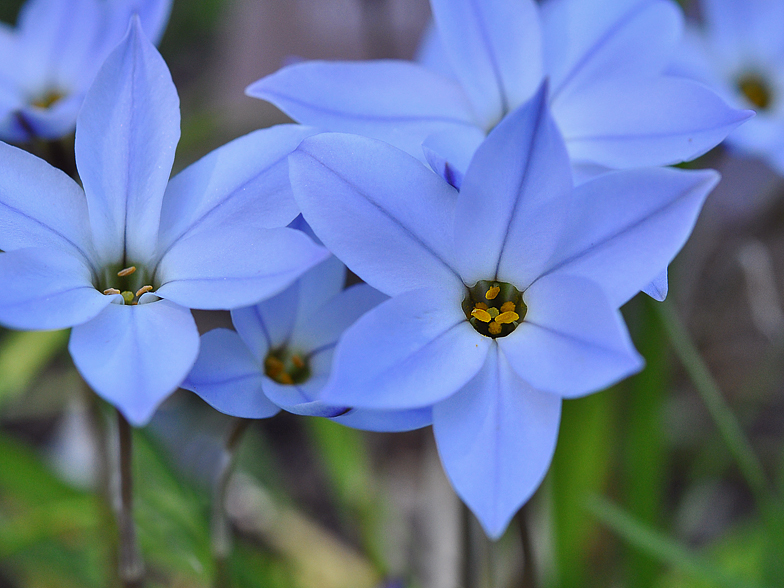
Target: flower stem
x: 131, y: 564
x: 220, y: 527
x: 529, y: 569
x: 709, y: 391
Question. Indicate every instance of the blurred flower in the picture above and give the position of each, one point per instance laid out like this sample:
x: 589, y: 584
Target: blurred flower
x: 281, y: 354
x: 504, y: 294
x: 738, y: 52
x: 604, y: 60
x: 121, y: 261
x: 49, y: 61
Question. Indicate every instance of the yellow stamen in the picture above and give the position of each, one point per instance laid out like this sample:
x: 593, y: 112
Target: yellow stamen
x: 48, y: 99
x: 109, y: 291
x: 507, y: 317
x: 127, y: 296
x: 127, y: 271
x: 298, y: 362
x: 493, y: 311
x: 507, y: 306
x: 494, y: 328
x: 273, y: 366
x: 492, y: 292
x: 284, y: 378
x: 143, y: 290
x: 481, y: 315
x: 481, y: 305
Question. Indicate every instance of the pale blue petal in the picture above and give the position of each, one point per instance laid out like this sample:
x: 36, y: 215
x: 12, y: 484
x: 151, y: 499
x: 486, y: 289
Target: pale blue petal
x: 45, y: 288
x: 269, y: 324
x: 298, y: 400
x: 247, y: 177
x: 223, y: 265
x: 395, y: 101
x: 586, y: 41
x: 126, y: 134
x: 514, y: 198
x: 573, y: 341
x: 659, y: 287
x: 449, y: 153
x: 431, y: 52
x: 625, y: 227
x: 318, y: 286
x: 135, y: 356
x: 53, y: 122
x: 644, y: 122
x: 228, y: 377
x: 750, y: 29
x: 496, y: 439
x: 40, y: 206
x: 386, y: 421
x: 153, y: 14
x: 326, y: 324
x: 380, y: 211
x: 408, y: 352
x: 495, y: 50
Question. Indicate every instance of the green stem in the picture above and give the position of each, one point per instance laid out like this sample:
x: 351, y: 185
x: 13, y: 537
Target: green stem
x: 529, y: 569
x: 709, y: 391
x: 131, y: 564
x: 220, y: 527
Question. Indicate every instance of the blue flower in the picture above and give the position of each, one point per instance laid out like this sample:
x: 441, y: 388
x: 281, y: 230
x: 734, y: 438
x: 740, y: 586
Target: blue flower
x: 281, y: 354
x: 504, y: 295
x: 49, y: 61
x: 604, y: 60
x: 738, y: 53
x: 124, y: 259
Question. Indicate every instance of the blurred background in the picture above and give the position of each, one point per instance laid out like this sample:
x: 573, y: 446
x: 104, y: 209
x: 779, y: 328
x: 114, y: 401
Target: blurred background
x: 644, y: 491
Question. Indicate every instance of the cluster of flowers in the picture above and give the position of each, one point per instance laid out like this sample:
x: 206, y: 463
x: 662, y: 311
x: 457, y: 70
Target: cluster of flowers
x: 501, y: 199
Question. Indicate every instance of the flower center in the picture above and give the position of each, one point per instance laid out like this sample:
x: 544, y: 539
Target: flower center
x: 756, y: 90
x: 129, y: 281
x: 48, y: 99
x: 494, y: 308
x: 286, y: 367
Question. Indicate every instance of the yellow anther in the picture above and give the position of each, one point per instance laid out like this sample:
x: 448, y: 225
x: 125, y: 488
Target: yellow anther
x: 127, y: 271
x: 481, y: 315
x: 508, y: 306
x: 143, y: 290
x: 48, y: 99
x: 298, y: 362
x: 273, y: 366
x: 492, y: 293
x: 494, y: 328
x: 507, y: 317
x: 284, y: 378
x: 481, y: 305
x: 109, y: 291
x: 127, y: 296
x: 493, y: 311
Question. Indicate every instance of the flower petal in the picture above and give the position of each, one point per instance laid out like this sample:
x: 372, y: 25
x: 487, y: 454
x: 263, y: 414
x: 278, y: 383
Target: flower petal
x: 225, y: 265
x: 45, y: 288
x: 496, y: 438
x: 269, y: 324
x: 586, y: 41
x: 644, y: 122
x: 514, y: 198
x: 246, y: 177
x: 398, y: 102
x: 379, y: 210
x: 40, y: 206
x: 659, y: 287
x: 126, y: 134
x: 228, y: 377
x: 135, y: 356
x: 153, y: 14
x: 449, y: 153
x: 573, y: 341
x: 318, y: 286
x: 750, y: 28
x: 495, y: 50
x: 408, y: 352
x: 625, y: 227
x: 386, y: 421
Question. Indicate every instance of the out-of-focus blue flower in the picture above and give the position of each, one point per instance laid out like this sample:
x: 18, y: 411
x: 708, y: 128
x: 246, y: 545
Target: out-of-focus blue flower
x: 504, y: 294
x: 739, y: 52
x: 281, y: 354
x: 612, y: 103
x: 121, y: 261
x: 49, y: 60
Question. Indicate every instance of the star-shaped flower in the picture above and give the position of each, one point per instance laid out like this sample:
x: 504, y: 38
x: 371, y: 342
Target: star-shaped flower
x: 124, y: 259
x: 49, y: 60
x: 504, y: 294
x: 609, y: 96
x: 738, y: 52
x: 280, y: 355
